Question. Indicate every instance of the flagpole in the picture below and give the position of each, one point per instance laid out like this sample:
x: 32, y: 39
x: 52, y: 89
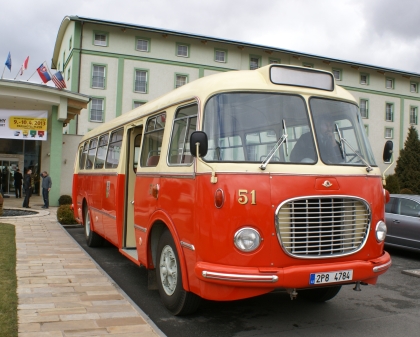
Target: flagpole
x: 3, y: 71
x: 31, y: 76
x: 18, y: 73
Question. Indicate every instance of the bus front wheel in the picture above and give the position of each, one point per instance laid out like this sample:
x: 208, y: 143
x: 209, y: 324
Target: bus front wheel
x: 169, y: 279
x: 92, y: 239
x: 319, y: 294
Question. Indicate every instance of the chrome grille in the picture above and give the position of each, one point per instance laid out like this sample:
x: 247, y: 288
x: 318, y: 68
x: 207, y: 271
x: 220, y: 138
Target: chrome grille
x: 321, y: 227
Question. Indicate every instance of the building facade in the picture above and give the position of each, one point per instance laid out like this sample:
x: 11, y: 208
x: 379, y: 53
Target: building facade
x: 122, y: 66
x: 26, y: 144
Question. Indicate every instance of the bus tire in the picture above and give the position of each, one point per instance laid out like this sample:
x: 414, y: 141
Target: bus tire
x: 92, y: 239
x: 169, y: 279
x: 319, y: 294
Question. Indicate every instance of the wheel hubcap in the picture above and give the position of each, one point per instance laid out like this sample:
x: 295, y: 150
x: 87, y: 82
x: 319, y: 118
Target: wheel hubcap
x: 87, y: 224
x: 168, y: 270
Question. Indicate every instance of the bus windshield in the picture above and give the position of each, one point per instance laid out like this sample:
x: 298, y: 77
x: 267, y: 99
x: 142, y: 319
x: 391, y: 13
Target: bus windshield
x: 340, y: 133
x: 245, y: 127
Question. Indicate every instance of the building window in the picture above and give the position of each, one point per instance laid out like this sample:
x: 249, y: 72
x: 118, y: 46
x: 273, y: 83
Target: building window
x: 364, y: 108
x: 182, y: 50
x: 70, y: 43
x: 142, y: 45
x: 307, y: 65
x: 389, y: 133
x: 366, y: 129
x: 254, y: 62
x: 220, y: 55
x: 414, y: 87
x: 273, y: 61
x: 364, y: 79
x: 180, y: 80
x: 100, y: 39
x: 413, y: 115
x: 68, y: 74
x: 140, y: 82
x: 98, y: 77
x: 337, y: 74
x: 136, y: 104
x: 389, y: 83
x: 389, y: 112
x: 97, y: 110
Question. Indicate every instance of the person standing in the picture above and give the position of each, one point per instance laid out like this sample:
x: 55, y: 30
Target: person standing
x: 46, y: 187
x: 18, y: 183
x: 27, y: 187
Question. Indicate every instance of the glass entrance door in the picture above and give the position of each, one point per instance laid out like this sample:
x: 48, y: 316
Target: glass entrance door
x: 7, y: 171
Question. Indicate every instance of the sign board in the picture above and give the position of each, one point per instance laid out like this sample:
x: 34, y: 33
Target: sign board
x: 23, y: 124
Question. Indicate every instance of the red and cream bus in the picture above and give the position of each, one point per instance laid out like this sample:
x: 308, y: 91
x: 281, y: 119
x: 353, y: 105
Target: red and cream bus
x: 226, y: 188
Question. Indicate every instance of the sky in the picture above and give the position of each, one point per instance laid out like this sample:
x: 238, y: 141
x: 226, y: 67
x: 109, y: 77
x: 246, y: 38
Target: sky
x: 382, y: 33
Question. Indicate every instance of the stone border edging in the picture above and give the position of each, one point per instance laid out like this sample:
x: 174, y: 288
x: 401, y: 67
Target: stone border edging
x: 38, y: 214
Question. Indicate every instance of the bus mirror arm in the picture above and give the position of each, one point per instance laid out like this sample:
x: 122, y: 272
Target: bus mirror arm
x: 213, y: 178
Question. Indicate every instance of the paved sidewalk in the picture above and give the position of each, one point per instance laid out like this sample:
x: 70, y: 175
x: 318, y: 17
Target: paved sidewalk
x: 62, y: 291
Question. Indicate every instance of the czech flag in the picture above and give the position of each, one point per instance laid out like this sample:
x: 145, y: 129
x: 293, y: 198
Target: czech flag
x: 43, y: 73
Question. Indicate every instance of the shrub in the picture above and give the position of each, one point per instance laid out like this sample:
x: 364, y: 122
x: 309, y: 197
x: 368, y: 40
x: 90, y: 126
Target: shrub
x: 392, y: 184
x: 65, y: 215
x: 1, y: 204
x: 406, y: 191
x: 64, y: 200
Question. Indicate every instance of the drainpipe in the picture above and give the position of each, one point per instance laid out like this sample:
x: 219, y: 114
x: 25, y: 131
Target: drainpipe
x: 80, y: 67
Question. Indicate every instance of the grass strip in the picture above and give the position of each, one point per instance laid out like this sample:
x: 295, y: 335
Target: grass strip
x: 8, y: 283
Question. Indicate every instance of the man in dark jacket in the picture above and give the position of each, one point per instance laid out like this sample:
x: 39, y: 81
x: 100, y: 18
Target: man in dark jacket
x: 46, y: 187
x: 27, y: 187
x: 18, y: 183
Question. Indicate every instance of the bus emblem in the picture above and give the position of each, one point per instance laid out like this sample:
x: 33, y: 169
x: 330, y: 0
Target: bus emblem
x: 327, y: 184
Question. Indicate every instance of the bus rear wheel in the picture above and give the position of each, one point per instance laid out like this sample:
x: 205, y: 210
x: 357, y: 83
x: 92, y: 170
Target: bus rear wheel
x: 169, y: 279
x: 319, y: 294
x: 92, y: 239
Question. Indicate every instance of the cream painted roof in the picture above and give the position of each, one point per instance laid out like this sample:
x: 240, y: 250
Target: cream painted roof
x: 203, y: 88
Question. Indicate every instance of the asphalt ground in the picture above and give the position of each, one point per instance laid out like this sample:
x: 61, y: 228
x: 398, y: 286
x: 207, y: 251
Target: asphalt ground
x: 390, y: 308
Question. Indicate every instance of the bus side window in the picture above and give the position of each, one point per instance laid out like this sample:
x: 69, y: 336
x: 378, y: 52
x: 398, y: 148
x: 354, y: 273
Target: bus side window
x: 152, y: 142
x: 114, y: 149
x: 91, y: 153
x: 185, y: 123
x: 83, y: 154
x: 101, y: 153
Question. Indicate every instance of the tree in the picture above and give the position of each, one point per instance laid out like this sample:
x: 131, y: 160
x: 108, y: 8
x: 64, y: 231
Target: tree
x: 408, y: 163
x: 392, y: 184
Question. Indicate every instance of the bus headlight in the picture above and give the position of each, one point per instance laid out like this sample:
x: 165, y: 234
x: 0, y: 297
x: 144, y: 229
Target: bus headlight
x: 380, y: 231
x: 247, y: 239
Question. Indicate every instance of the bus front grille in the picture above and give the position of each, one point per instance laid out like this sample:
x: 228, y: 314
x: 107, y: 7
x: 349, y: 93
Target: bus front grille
x: 322, y: 227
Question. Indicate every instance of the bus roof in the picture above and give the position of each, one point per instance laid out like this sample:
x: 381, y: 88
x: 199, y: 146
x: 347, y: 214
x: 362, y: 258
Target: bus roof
x: 203, y: 88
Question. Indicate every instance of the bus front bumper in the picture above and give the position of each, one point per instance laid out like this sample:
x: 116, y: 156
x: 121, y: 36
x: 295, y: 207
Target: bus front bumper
x: 290, y: 277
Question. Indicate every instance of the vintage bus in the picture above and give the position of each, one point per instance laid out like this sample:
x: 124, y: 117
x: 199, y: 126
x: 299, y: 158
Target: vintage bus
x: 224, y: 188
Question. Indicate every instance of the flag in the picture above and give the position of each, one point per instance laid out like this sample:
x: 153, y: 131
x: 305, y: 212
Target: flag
x: 58, y: 80
x: 43, y: 73
x: 24, y: 65
x: 9, y: 62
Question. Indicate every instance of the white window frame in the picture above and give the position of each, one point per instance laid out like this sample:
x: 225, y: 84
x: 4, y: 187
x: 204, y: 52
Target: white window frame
x: 364, y: 81
x: 389, y: 133
x: 389, y: 112
x: 339, y: 74
x: 414, y: 86
x: 96, y: 73
x: 147, y: 45
x: 413, y: 115
x: 136, y: 85
x: 184, y: 47
x: 94, y: 104
x: 364, y: 102
x: 389, y: 83
x: 218, y: 53
x: 180, y: 80
x: 100, y: 42
x: 254, y: 60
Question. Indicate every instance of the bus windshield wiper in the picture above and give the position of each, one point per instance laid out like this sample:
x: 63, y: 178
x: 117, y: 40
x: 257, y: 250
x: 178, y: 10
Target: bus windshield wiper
x: 282, y: 139
x: 343, y: 151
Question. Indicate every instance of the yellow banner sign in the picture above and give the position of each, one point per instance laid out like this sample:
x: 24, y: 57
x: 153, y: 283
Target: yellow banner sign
x: 27, y: 123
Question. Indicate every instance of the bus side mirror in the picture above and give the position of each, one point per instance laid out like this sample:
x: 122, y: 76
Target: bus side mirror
x: 388, y: 151
x: 199, y: 137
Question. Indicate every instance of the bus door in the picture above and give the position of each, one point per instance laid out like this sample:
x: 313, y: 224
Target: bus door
x: 148, y: 181
x: 134, y: 141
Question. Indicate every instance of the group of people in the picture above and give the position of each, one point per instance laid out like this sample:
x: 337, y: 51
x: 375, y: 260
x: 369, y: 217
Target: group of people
x: 28, y: 186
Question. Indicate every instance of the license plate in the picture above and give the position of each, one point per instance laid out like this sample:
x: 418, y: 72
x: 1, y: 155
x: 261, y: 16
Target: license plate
x: 333, y: 277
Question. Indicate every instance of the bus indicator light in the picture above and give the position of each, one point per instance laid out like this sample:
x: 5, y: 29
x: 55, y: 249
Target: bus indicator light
x: 219, y: 198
